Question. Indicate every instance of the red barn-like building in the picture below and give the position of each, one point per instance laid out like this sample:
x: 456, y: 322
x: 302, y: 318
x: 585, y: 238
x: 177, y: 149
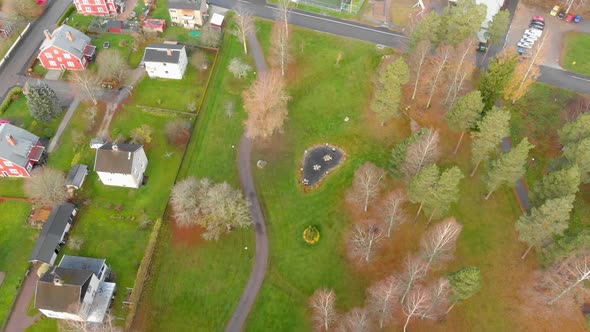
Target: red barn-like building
x: 99, y: 7
x: 20, y: 151
x: 66, y: 49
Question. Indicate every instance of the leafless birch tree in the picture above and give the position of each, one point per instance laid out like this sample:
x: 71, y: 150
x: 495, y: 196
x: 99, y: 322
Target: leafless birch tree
x: 323, y: 307
x: 364, y: 240
x: 414, y: 270
x: 439, y: 304
x: 570, y: 275
x: 418, y: 59
x: 356, y: 320
x: 423, y: 152
x: 46, y: 187
x: 382, y: 299
x: 266, y: 104
x: 85, y: 84
x: 366, y: 185
x: 443, y: 55
x: 243, y: 24
x: 527, y: 71
x: 417, y: 304
x: 464, y: 51
x: 284, y: 8
x: 439, y: 242
x: 392, y: 212
x: 280, y: 47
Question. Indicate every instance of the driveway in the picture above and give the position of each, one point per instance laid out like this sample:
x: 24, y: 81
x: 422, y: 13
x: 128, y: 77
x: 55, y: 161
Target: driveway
x: 19, y: 320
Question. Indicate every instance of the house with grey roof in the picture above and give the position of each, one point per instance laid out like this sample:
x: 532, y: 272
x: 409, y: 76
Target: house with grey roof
x: 76, y: 176
x: 121, y: 165
x: 165, y: 61
x: 76, y: 289
x: 191, y: 14
x: 66, y: 48
x: 20, y: 151
x: 54, y: 233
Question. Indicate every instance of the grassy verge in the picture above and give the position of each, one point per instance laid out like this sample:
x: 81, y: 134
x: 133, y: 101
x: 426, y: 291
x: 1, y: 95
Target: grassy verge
x: 16, y: 243
x: 193, y: 282
x: 576, y: 53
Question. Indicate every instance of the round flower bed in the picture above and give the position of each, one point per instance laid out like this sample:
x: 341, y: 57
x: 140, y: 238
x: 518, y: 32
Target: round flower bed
x: 311, y: 235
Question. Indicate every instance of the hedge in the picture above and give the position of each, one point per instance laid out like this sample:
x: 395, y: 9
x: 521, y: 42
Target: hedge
x: 67, y: 13
x: 6, y: 102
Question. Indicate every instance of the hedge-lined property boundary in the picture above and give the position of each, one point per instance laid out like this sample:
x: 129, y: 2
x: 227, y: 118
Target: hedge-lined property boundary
x: 6, y: 102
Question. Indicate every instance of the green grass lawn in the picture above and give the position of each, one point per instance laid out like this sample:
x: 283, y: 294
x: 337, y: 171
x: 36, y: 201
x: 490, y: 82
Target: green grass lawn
x: 78, y: 21
x: 193, y: 282
x: 17, y: 240
x: 173, y: 94
x: 161, y: 11
x: 576, y: 50
x: 122, y: 43
x: 18, y: 114
x: 7, y: 43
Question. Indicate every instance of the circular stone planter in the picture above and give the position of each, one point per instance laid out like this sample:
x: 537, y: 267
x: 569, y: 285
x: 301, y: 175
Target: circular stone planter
x: 319, y: 161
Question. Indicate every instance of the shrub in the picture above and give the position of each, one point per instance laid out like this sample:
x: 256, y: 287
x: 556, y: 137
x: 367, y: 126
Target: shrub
x: 67, y: 13
x: 75, y: 243
x: 311, y: 235
x: 10, y: 97
x: 178, y: 131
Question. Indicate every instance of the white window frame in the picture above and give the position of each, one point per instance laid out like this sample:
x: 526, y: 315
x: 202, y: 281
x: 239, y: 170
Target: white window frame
x: 100, y: 10
x: 55, y: 52
x: 48, y: 55
x: 71, y: 64
x: 67, y: 56
x: 14, y: 171
x: 88, y: 9
x: 8, y: 164
x: 52, y: 63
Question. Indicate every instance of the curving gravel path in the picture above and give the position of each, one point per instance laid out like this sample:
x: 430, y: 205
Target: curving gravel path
x: 249, y: 295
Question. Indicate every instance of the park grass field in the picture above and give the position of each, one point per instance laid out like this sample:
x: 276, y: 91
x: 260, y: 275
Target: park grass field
x: 576, y: 46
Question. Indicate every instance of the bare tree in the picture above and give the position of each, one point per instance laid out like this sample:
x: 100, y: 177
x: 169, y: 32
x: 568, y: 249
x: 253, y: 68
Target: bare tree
x: 580, y: 106
x: 465, y: 50
x: 178, y: 131
x: 284, y: 7
x: 418, y: 59
x: 112, y: 65
x: 570, y: 275
x: 239, y: 68
x: 108, y: 325
x: 527, y: 71
x: 439, y: 243
x: 417, y: 304
x: 440, y: 299
x: 423, y: 152
x: 266, y: 104
x: 141, y: 135
x: 186, y: 198
x: 443, y: 55
x: 323, y: 307
x: 26, y: 8
x: 366, y: 185
x: 199, y: 60
x: 46, y: 187
x: 86, y: 84
x: 382, y: 298
x: 280, y: 46
x: 243, y: 24
x: 414, y: 270
x: 391, y: 209
x: 364, y: 240
x: 356, y: 320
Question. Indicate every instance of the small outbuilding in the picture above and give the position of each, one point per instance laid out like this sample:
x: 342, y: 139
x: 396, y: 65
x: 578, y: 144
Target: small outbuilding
x: 76, y: 176
x: 154, y: 25
x: 115, y: 26
x: 97, y: 142
x: 217, y: 21
x: 54, y: 233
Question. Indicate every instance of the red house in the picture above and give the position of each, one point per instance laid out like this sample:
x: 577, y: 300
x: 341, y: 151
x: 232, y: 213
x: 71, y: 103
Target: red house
x: 66, y: 49
x: 20, y: 151
x: 99, y: 7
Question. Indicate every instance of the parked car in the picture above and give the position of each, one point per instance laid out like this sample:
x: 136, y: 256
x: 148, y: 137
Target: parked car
x: 554, y: 11
x: 539, y: 18
x: 482, y: 47
x: 522, y: 51
x: 578, y: 18
x: 533, y: 21
x: 536, y: 26
x: 561, y: 15
x: 534, y: 32
x: 525, y: 45
x: 569, y: 18
x: 531, y: 37
x: 527, y: 40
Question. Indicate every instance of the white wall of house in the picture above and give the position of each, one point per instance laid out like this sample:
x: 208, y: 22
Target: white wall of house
x: 132, y: 180
x: 168, y: 70
x: 84, y: 306
x: 61, y: 315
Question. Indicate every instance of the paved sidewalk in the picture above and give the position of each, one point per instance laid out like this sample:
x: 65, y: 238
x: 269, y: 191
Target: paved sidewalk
x: 19, y: 320
x: 520, y: 189
x: 62, y: 126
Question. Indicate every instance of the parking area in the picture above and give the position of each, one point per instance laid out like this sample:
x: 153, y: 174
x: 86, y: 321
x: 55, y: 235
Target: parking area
x: 555, y: 27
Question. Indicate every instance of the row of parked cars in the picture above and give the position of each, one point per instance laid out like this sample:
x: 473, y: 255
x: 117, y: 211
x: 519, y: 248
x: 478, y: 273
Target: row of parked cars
x: 530, y: 36
x: 561, y: 14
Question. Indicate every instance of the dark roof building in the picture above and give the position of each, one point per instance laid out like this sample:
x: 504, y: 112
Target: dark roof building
x: 93, y: 265
x: 76, y: 176
x: 121, y: 165
x: 164, y: 53
x: 62, y: 289
x: 54, y: 233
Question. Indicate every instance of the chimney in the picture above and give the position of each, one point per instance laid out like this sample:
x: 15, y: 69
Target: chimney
x: 169, y: 51
x: 115, y: 147
x: 11, y: 140
x: 57, y: 281
x: 47, y: 34
x: 69, y: 36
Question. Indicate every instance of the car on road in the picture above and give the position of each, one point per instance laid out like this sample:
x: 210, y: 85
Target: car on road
x: 554, y: 11
x: 578, y: 18
x: 539, y: 18
x: 525, y: 45
x: 561, y: 15
x: 569, y: 18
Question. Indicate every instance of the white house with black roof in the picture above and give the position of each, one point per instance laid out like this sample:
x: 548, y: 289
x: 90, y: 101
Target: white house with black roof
x: 165, y: 61
x: 121, y: 165
x: 77, y: 289
x: 54, y: 233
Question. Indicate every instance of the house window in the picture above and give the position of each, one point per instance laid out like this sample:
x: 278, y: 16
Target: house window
x: 55, y: 52
x: 88, y: 9
x: 163, y: 64
x: 4, y: 174
x: 48, y: 55
x: 97, y: 2
x: 59, y: 59
x: 13, y: 171
x: 8, y: 163
x: 52, y: 63
x: 173, y: 10
x: 85, y: 2
x: 67, y: 56
x: 70, y: 64
x: 100, y: 10
x: 166, y: 72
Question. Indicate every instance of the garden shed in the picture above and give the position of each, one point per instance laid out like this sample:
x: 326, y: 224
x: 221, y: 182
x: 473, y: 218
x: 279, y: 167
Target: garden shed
x: 115, y: 26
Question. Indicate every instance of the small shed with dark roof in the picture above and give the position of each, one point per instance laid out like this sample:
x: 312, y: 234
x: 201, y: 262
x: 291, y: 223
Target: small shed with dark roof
x: 115, y: 26
x: 76, y: 176
x: 54, y: 233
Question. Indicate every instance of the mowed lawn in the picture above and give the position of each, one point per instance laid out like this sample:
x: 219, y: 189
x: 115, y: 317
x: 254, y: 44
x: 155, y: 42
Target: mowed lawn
x: 576, y: 50
x: 17, y: 240
x: 196, y: 284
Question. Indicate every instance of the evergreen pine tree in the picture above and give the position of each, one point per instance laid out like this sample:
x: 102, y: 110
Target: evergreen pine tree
x: 509, y: 167
x: 42, y: 101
